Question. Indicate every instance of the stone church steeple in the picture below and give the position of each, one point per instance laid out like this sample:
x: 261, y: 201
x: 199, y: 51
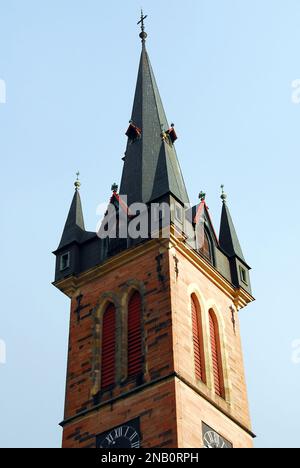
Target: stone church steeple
x: 155, y: 357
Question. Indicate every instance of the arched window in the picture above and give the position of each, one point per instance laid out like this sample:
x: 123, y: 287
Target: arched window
x: 108, y: 368
x: 135, y: 354
x: 199, y: 356
x: 204, y: 243
x: 207, y: 247
x: 216, y: 355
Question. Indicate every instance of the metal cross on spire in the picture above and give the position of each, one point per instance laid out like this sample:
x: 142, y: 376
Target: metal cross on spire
x: 223, y: 195
x: 143, y: 34
x: 77, y: 182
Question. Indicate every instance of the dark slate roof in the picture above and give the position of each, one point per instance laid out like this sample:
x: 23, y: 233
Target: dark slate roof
x: 74, y: 230
x: 151, y: 167
x: 228, y: 237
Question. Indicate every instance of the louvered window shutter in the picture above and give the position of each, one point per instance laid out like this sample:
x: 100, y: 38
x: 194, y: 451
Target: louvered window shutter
x: 135, y: 355
x: 216, y: 355
x: 198, y: 341
x: 108, y: 348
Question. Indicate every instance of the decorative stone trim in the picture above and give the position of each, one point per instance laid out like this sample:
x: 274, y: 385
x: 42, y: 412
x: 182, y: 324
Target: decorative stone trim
x: 98, y: 312
x: 120, y: 300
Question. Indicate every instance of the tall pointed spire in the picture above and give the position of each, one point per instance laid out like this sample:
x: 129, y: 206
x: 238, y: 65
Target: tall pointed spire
x: 228, y: 237
x: 74, y: 227
x: 151, y: 168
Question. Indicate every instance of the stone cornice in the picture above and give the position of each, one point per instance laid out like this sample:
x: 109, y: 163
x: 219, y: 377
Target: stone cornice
x: 69, y: 285
x: 240, y: 297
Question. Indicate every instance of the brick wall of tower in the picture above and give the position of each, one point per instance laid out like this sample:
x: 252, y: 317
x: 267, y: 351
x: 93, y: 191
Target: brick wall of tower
x: 155, y: 406
x: 191, y: 280
x: 192, y: 410
x: 84, y: 350
x: 171, y: 410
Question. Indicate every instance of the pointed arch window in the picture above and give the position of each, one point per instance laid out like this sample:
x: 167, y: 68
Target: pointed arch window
x: 199, y: 356
x: 108, y: 368
x: 135, y: 354
x: 204, y: 242
x: 216, y: 355
x: 207, y: 247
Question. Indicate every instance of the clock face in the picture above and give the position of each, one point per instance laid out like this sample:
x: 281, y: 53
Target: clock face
x: 124, y: 436
x: 212, y: 439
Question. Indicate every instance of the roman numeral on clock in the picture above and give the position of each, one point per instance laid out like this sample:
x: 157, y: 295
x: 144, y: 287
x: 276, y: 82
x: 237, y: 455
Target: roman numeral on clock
x: 110, y: 439
x: 135, y: 445
x: 118, y: 432
x: 124, y: 436
x: 134, y: 436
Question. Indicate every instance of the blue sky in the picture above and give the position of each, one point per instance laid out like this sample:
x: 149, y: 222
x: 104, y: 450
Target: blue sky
x: 225, y: 70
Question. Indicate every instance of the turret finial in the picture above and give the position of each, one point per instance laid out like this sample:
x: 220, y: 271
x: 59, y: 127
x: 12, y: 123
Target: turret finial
x: 223, y: 195
x: 115, y: 188
x: 143, y: 34
x: 77, y: 182
x: 202, y: 196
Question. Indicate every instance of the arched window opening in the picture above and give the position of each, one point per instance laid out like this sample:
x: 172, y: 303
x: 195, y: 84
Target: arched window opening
x: 216, y: 355
x: 135, y: 354
x: 204, y: 242
x: 199, y: 355
x: 108, y: 368
x: 207, y: 247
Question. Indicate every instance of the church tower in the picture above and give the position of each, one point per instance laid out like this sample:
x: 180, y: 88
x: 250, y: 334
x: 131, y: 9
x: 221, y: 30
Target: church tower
x: 155, y: 357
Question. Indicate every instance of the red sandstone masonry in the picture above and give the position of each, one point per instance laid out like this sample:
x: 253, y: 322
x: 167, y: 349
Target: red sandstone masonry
x: 157, y: 337
x: 157, y: 411
x: 171, y: 412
